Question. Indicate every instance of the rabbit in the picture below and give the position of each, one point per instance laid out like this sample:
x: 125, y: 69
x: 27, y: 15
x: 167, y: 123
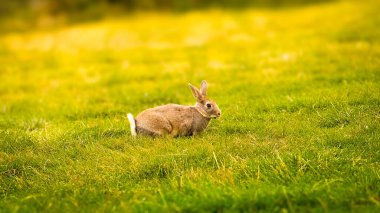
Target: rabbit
x: 176, y: 120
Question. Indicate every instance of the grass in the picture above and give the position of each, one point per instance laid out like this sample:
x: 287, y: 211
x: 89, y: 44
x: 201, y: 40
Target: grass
x: 299, y: 93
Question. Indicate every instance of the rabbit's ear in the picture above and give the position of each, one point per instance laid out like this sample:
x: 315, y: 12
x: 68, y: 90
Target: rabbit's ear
x: 204, y: 88
x: 195, y: 92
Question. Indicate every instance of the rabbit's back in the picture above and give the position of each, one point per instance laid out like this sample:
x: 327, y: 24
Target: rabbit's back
x: 172, y: 119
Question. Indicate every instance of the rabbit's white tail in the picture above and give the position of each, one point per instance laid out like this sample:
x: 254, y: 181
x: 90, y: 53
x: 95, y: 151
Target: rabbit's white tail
x: 133, y: 124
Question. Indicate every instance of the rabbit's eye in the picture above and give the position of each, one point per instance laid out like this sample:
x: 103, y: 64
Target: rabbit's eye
x: 208, y: 106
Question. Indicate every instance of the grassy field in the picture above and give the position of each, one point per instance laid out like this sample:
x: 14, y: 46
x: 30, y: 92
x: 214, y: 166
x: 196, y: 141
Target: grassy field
x: 299, y: 90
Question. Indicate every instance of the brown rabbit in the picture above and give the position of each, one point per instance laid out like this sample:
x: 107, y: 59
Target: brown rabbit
x: 176, y: 120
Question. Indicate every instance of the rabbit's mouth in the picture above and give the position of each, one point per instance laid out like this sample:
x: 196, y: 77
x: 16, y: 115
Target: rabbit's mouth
x: 215, y: 116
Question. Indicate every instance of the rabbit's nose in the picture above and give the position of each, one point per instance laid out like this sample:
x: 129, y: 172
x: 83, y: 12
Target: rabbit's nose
x: 218, y: 113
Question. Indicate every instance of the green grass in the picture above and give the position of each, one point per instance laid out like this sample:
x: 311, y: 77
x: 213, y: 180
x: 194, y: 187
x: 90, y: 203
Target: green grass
x: 299, y: 90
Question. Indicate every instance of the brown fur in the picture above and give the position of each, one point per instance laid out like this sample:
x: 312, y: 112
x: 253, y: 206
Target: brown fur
x: 178, y: 120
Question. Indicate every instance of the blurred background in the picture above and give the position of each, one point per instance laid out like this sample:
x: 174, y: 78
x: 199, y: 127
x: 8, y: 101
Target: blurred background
x: 91, y: 56
x: 20, y: 14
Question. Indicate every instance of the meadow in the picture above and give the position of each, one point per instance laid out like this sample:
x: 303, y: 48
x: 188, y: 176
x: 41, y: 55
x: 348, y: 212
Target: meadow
x: 299, y: 90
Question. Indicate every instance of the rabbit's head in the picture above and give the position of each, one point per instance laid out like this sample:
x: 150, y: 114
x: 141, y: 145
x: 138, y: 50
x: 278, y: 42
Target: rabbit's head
x: 204, y: 104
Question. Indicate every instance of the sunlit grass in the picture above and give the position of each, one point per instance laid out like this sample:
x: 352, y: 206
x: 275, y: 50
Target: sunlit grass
x: 298, y: 88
